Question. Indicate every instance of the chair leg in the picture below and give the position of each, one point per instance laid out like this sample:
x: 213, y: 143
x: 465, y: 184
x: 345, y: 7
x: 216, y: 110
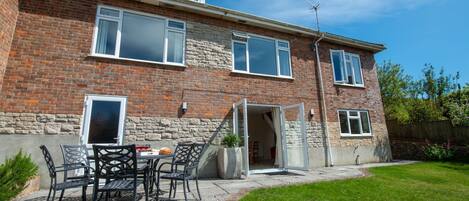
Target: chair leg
x: 53, y: 195
x: 188, y: 186
x: 107, y: 195
x: 158, y: 189
x: 145, y: 186
x: 175, y: 188
x: 170, y: 189
x: 83, y: 193
x: 197, y: 186
x: 184, y: 189
x: 50, y: 191
x: 62, y: 195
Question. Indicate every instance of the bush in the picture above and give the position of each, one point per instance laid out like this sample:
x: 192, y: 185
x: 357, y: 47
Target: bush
x: 14, y: 174
x: 438, y: 153
x: 231, y: 140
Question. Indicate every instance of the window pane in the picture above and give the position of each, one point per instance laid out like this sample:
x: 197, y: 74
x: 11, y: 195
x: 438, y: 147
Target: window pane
x: 239, y: 50
x: 262, y: 56
x: 174, y: 24
x: 357, y: 69
x: 142, y: 37
x: 109, y: 12
x: 365, y: 122
x: 337, y: 61
x: 353, y: 114
x: 175, y: 47
x: 106, y: 40
x: 104, y: 122
x: 355, y: 126
x: 343, y: 122
x: 282, y: 44
x: 284, y: 63
x: 349, y: 73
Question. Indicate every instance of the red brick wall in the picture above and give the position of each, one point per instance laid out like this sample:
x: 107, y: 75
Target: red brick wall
x: 50, y: 71
x: 346, y: 97
x: 8, y: 14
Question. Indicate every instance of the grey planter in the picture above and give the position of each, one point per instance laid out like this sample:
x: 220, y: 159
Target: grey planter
x: 230, y: 163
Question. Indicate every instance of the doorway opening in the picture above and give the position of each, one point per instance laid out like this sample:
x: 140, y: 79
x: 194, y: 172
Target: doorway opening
x: 273, y: 137
x: 265, y: 151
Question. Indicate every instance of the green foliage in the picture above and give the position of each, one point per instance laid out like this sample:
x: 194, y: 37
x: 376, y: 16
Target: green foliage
x: 231, y: 140
x: 434, y: 97
x: 438, y: 153
x: 14, y: 174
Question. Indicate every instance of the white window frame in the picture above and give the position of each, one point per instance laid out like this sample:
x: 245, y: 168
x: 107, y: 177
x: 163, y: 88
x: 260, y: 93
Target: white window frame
x: 359, y: 120
x: 277, y: 56
x: 119, y: 30
x: 344, y: 69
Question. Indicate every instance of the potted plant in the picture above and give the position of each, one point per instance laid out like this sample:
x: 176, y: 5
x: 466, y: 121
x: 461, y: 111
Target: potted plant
x: 230, y: 158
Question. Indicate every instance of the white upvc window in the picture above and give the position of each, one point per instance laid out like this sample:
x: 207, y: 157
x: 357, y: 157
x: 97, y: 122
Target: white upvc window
x: 347, y: 68
x: 354, y: 123
x: 260, y: 55
x: 137, y: 36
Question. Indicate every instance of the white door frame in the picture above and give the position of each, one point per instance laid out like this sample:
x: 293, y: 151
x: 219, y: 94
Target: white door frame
x: 303, y: 133
x: 88, y: 107
x: 244, y: 103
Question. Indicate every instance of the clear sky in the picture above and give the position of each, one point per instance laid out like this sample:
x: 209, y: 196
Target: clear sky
x: 415, y: 32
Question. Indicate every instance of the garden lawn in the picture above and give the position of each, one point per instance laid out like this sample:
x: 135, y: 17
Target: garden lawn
x: 420, y: 181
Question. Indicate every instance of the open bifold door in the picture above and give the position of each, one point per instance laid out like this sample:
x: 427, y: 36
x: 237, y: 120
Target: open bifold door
x: 295, y: 145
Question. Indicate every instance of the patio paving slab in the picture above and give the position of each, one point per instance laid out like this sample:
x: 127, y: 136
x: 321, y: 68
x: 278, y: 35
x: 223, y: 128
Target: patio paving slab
x: 217, y: 189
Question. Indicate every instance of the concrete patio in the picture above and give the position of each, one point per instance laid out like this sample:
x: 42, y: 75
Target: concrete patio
x: 216, y: 189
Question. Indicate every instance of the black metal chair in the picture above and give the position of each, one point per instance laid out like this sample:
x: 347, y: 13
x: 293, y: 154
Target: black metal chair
x: 180, y: 155
x: 117, y: 165
x: 66, y: 184
x: 190, y: 171
x: 76, y: 155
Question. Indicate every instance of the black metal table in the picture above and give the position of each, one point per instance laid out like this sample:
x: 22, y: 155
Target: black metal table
x: 154, y: 160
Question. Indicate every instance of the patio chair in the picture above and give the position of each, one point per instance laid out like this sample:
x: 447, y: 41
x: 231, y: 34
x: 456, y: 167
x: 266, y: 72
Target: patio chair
x: 76, y: 155
x: 117, y: 165
x: 180, y: 154
x: 66, y: 184
x: 190, y: 172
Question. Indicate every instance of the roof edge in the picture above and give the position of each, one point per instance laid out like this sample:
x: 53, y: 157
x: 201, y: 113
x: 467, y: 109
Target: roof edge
x: 237, y: 16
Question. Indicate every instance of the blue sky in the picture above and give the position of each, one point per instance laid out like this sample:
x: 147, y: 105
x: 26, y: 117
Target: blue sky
x: 415, y: 32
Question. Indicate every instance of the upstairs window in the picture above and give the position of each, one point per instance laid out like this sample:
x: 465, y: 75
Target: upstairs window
x: 261, y: 55
x: 138, y: 36
x: 354, y: 123
x: 347, y: 68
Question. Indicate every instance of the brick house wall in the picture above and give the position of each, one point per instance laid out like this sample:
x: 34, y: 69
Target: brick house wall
x: 8, y: 15
x: 50, y: 71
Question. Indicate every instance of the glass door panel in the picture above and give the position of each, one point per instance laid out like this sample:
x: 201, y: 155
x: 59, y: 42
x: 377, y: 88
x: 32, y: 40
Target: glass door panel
x: 295, y: 145
x: 240, y: 127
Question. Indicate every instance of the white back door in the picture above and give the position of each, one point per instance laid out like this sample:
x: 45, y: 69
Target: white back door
x: 104, y: 120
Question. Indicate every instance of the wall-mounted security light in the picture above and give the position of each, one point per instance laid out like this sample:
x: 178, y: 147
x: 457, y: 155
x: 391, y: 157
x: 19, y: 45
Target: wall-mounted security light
x: 184, y: 107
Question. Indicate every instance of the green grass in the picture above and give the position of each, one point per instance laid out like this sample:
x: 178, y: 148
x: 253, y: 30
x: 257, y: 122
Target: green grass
x: 421, y: 181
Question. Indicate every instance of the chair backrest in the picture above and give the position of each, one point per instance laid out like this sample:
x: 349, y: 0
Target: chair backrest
x: 181, y: 152
x: 115, y: 162
x: 75, y: 154
x: 49, y: 161
x: 194, y: 158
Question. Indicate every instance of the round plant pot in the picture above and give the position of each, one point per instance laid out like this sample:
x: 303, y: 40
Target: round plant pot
x: 229, y: 163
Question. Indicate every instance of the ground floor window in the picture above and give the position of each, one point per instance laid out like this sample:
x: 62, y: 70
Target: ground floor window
x: 354, y: 123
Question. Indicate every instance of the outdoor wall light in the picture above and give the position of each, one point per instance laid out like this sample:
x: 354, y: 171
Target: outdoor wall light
x: 184, y: 107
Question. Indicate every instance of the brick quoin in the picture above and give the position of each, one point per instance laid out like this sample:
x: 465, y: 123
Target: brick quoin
x: 50, y: 71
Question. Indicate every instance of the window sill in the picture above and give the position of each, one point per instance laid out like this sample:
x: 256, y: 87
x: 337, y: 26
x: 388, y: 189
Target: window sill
x: 262, y: 75
x: 349, y: 85
x: 356, y: 136
x: 137, y: 60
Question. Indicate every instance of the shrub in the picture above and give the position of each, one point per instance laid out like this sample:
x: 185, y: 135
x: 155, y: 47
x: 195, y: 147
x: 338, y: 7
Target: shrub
x: 231, y: 140
x: 14, y: 174
x: 438, y: 153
